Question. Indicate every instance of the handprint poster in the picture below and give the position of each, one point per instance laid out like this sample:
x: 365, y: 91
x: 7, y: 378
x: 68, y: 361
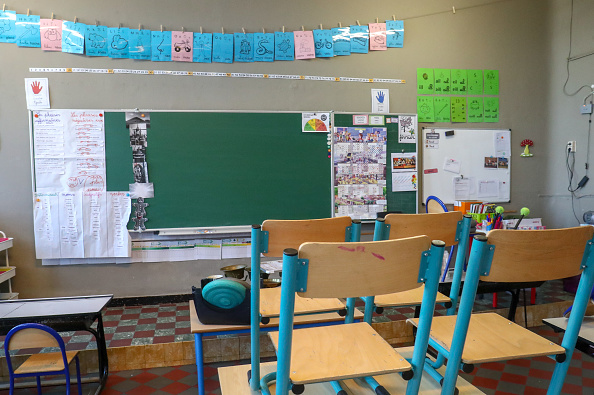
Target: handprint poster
x: 380, y: 100
x: 37, y: 92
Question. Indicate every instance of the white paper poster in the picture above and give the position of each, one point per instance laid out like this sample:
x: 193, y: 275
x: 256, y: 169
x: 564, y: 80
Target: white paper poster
x: 236, y: 248
x: 452, y: 165
x: 404, y: 181
x: 207, y: 249
x: 71, y: 224
x: 95, y: 223
x: 315, y: 122
x: 119, y: 206
x: 380, y: 100
x: 37, y: 93
x: 407, y: 129
x: 46, y: 223
x: 69, y: 149
x: 502, y: 142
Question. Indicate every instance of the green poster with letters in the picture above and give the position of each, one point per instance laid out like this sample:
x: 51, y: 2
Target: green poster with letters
x: 425, y: 82
x: 425, y: 109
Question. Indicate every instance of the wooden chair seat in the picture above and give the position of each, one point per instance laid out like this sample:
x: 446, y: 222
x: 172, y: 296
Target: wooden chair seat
x: 232, y: 379
x: 340, y: 352
x: 492, y: 338
x: 413, y: 297
x: 270, y: 304
x: 45, y: 362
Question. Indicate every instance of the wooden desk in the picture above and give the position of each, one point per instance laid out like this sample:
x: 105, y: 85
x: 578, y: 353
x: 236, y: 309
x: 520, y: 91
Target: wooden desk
x: 62, y: 314
x: 585, y: 341
x: 200, y: 330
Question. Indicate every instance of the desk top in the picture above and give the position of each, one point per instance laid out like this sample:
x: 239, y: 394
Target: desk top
x: 52, y: 307
x: 198, y: 327
x: 586, y: 331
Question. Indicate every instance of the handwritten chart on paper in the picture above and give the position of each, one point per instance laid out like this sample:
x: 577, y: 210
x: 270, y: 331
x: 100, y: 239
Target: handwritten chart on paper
x: 74, y: 216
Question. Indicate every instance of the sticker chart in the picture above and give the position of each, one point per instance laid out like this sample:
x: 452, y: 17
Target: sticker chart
x: 359, y: 160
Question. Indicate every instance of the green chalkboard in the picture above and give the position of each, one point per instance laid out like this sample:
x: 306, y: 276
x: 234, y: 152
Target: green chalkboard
x: 406, y: 201
x: 224, y: 168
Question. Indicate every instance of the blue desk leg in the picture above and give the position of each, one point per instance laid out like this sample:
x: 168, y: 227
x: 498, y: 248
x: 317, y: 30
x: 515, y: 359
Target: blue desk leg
x: 199, y: 362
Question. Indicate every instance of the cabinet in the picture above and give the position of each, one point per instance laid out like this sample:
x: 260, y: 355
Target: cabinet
x: 7, y: 272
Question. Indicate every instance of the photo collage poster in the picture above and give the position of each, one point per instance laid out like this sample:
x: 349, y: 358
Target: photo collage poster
x: 359, y: 160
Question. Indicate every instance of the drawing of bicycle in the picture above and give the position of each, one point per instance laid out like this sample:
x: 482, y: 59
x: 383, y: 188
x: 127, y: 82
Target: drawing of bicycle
x: 185, y: 45
x: 323, y: 43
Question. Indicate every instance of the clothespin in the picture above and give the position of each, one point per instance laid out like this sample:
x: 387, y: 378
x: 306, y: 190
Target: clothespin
x: 222, y: 30
x: 183, y: 30
x: 283, y: 29
x: 200, y: 29
x: 28, y: 12
x: 139, y: 26
x: 321, y: 27
x: 376, y: 20
x: 96, y: 22
x: 302, y: 28
x: 52, y: 16
x: 453, y: 9
x: 243, y: 30
x: 263, y: 31
x: 161, y: 28
x: 4, y: 7
x: 339, y: 24
x: 120, y: 26
x: 393, y: 17
x: 358, y: 24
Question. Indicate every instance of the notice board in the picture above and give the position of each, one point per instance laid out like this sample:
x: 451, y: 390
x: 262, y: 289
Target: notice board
x: 466, y: 164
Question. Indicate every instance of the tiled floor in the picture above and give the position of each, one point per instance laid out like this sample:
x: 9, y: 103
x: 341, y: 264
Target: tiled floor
x: 526, y: 376
x: 141, y: 325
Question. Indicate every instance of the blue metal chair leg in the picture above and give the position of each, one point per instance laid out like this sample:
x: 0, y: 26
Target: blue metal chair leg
x: 39, y: 384
x: 79, y: 384
x: 574, y: 323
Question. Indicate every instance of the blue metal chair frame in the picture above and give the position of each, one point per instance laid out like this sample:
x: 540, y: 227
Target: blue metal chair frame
x: 438, y: 200
x: 479, y: 264
x: 260, y: 245
x: 38, y: 375
x: 295, y: 269
x: 382, y: 232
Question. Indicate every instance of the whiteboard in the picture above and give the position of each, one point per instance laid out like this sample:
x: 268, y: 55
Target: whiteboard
x: 469, y: 157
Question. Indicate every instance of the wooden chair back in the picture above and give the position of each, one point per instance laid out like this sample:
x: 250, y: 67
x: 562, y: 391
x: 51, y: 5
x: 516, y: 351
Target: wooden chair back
x: 435, y: 205
x: 437, y: 226
x: 537, y: 255
x: 357, y: 269
x: 292, y: 233
x: 32, y: 338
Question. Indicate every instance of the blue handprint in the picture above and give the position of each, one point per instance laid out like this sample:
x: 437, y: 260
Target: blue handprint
x: 380, y: 97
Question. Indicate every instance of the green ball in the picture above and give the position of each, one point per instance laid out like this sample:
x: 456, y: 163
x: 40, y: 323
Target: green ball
x: 525, y: 211
x: 499, y: 210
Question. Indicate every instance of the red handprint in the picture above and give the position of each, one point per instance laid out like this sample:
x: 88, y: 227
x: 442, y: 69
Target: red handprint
x: 36, y: 88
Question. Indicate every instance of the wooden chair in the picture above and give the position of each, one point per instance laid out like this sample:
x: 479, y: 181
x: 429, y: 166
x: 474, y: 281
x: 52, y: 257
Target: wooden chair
x: 348, y: 270
x: 270, y: 239
x: 511, y: 256
x: 26, y: 336
x: 451, y: 227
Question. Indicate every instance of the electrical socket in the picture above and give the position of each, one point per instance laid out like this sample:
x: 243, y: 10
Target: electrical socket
x: 571, y: 146
x: 586, y: 109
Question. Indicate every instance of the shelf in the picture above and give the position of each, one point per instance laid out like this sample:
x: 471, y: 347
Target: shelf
x: 6, y: 243
x: 7, y: 273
